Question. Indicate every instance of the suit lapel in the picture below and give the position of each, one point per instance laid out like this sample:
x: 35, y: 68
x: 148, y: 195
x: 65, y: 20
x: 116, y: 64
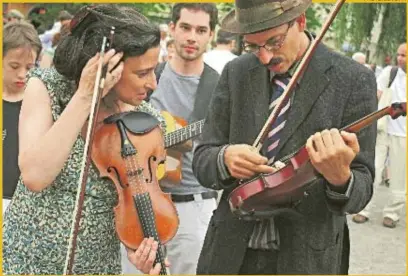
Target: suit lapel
x: 259, y: 87
x: 307, y: 92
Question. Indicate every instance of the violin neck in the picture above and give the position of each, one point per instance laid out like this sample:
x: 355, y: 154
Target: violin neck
x: 160, y: 256
x: 145, y: 211
x: 367, y: 120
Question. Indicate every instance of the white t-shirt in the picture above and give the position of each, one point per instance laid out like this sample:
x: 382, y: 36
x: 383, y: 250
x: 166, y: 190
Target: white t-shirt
x: 217, y: 59
x: 397, y: 127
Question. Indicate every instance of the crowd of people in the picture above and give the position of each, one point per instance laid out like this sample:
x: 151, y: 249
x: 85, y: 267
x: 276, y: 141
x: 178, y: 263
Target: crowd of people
x: 48, y: 85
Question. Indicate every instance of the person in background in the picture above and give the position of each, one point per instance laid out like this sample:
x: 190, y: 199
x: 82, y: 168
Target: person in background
x: 222, y: 53
x: 63, y: 18
x: 164, y: 37
x: 48, y: 54
x: 14, y: 16
x: 170, y: 49
x: 391, y: 142
x: 184, y: 90
x: 359, y: 57
x: 21, y: 48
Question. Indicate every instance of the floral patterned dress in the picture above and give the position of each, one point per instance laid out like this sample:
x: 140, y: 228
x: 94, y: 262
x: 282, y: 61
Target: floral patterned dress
x: 37, y: 226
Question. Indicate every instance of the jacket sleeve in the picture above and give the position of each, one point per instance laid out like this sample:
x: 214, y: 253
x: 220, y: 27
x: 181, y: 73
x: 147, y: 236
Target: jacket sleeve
x: 215, y: 135
x: 362, y: 101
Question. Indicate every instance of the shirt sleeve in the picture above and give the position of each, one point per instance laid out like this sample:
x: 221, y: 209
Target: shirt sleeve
x: 222, y: 168
x: 341, y: 196
x: 383, y: 79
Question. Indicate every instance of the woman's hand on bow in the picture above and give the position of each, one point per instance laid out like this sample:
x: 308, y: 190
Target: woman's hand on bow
x: 88, y: 75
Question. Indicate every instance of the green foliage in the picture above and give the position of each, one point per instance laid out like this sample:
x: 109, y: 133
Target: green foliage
x: 156, y: 12
x: 313, y: 22
x: 355, y: 24
x: 394, y: 29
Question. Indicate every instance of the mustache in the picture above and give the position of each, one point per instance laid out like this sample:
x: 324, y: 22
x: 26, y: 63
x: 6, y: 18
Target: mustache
x: 274, y: 61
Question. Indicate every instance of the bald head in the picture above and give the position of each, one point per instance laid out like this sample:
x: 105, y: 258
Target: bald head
x: 401, y: 56
x: 359, y: 57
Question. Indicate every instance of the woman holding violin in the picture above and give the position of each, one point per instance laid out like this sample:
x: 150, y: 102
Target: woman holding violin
x: 53, y: 125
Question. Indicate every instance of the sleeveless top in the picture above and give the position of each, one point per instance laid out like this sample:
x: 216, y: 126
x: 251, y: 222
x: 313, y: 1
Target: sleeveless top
x: 37, y: 226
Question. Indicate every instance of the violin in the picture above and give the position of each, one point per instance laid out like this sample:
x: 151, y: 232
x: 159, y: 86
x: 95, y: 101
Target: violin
x: 127, y: 148
x: 268, y: 194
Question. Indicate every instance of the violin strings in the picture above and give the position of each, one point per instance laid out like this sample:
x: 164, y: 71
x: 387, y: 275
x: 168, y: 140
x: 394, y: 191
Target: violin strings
x: 146, y: 214
x: 137, y: 180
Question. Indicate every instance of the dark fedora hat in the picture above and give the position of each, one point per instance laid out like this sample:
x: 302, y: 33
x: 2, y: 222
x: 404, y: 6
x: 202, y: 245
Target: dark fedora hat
x: 251, y: 16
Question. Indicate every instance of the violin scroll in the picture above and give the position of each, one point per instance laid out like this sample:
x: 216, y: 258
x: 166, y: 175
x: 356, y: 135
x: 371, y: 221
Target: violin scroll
x: 398, y: 109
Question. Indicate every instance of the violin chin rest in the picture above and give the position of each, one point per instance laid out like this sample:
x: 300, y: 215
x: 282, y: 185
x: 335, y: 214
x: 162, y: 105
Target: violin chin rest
x: 137, y: 122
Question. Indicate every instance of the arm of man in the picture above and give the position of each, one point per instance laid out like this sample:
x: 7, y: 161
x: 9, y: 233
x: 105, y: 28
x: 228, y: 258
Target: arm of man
x: 217, y: 164
x: 348, y: 169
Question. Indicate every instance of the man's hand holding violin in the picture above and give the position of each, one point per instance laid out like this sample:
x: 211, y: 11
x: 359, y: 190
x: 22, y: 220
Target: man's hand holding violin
x: 331, y: 153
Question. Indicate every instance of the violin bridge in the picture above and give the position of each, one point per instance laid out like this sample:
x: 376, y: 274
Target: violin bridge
x: 133, y: 173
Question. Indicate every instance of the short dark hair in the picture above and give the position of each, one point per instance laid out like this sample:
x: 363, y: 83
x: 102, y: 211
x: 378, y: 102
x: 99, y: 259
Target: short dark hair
x: 20, y: 34
x: 224, y: 37
x: 210, y: 9
x: 64, y: 15
x: 134, y: 35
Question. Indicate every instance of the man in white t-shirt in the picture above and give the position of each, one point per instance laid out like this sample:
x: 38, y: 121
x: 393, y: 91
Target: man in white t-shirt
x: 391, y: 140
x: 221, y: 54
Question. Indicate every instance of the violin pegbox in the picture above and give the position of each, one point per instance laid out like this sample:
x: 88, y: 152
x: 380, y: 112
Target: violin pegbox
x: 398, y: 109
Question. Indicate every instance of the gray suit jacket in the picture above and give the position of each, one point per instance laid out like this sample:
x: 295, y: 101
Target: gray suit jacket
x: 333, y: 92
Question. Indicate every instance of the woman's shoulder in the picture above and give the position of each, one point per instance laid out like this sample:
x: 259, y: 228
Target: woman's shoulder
x: 57, y: 85
x: 46, y: 74
x: 148, y: 108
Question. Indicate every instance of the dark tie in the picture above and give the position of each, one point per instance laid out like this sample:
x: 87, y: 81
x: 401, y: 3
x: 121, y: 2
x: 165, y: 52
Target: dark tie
x: 272, y: 141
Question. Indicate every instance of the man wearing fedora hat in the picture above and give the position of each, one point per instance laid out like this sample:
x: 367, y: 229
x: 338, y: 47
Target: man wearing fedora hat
x: 312, y: 237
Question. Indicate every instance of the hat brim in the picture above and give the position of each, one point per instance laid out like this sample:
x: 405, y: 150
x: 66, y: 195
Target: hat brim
x: 230, y: 24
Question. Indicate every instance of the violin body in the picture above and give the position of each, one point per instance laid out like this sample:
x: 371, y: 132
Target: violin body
x: 264, y: 194
x: 267, y: 194
x: 143, y: 210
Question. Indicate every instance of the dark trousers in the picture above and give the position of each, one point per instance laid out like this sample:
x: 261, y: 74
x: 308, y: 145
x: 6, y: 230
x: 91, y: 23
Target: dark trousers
x: 258, y: 261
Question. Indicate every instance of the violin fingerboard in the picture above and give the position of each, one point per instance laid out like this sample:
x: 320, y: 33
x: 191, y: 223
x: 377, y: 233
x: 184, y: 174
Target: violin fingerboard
x: 145, y: 212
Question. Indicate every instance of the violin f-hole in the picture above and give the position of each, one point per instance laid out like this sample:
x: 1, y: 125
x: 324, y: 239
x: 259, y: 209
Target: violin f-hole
x: 151, y: 160
x: 118, y: 177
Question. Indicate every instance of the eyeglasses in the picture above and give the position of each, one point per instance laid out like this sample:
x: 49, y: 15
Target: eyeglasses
x: 272, y: 44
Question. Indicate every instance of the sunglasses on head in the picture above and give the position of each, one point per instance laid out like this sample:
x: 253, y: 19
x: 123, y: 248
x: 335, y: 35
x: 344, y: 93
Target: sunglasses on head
x: 80, y: 16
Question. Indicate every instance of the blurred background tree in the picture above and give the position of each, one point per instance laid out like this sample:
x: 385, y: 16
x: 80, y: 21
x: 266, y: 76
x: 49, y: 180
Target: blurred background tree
x: 375, y: 29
